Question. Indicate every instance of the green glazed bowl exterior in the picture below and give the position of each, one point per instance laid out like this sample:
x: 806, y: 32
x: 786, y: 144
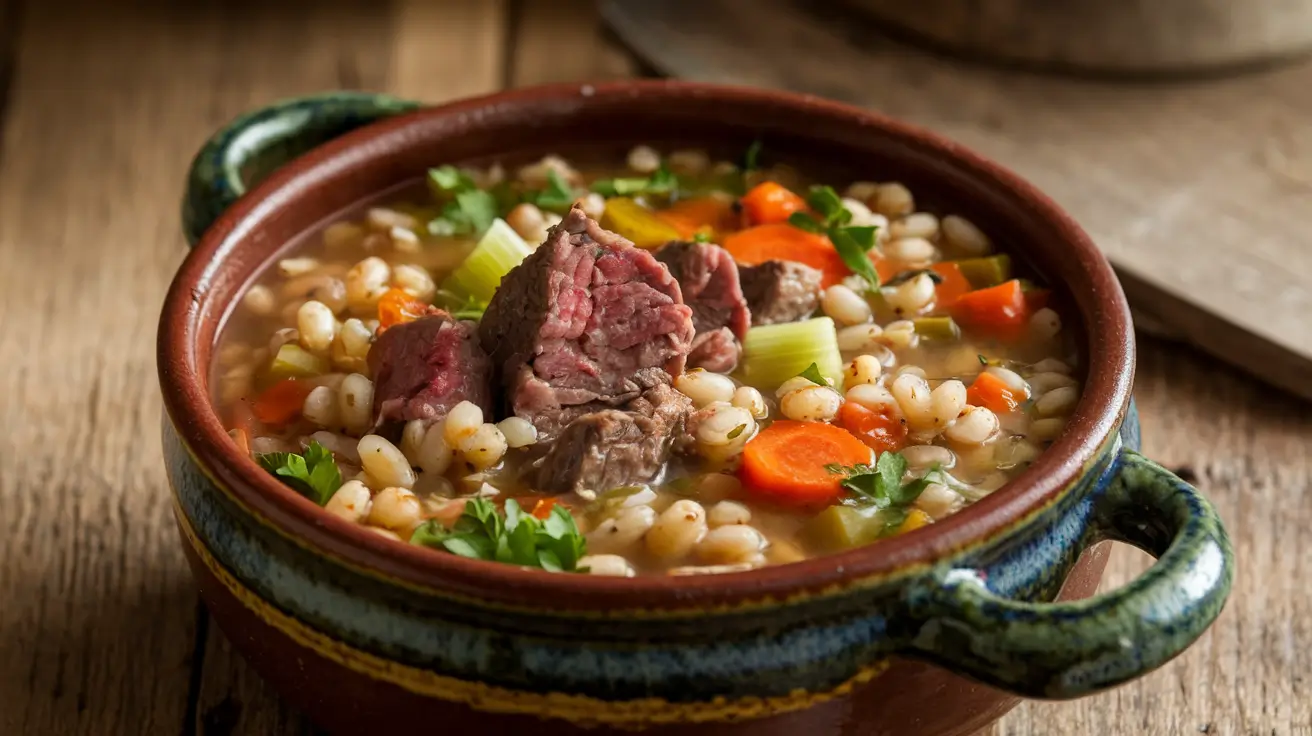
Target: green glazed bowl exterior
x: 935, y: 632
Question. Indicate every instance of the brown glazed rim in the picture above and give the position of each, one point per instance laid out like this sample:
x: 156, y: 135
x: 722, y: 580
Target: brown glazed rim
x: 183, y: 366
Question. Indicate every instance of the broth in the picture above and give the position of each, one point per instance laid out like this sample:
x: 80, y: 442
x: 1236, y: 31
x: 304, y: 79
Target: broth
x: 934, y: 389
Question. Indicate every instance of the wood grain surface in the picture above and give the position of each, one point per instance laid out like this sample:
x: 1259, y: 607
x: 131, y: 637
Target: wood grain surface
x: 100, y: 632
x: 1199, y: 192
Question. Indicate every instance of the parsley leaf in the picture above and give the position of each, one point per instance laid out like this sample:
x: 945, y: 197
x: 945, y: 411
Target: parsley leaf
x: 510, y: 536
x: 468, y: 210
x: 460, y: 307
x: 812, y: 374
x: 701, y: 237
x: 313, y: 475
x: 752, y: 158
x: 663, y: 181
x: 853, y: 242
x: 557, y: 197
x: 881, y: 486
x: 804, y: 221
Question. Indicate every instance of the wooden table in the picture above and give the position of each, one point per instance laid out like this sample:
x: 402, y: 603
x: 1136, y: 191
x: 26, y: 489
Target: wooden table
x: 101, y: 106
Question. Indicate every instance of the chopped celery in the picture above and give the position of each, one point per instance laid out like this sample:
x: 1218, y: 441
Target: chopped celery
x: 294, y: 361
x: 837, y: 528
x: 773, y: 354
x: 985, y: 272
x: 937, y: 328
x: 639, y: 224
x: 478, y: 277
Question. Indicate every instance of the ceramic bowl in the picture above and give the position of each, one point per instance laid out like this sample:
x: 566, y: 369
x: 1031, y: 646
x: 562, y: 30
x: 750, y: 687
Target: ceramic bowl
x: 938, y: 631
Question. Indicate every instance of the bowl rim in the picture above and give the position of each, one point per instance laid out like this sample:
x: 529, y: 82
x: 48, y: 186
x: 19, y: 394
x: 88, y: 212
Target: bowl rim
x: 1104, y: 400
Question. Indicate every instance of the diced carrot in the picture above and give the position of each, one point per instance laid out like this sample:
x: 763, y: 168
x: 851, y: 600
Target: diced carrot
x: 881, y: 430
x: 771, y: 202
x: 711, y: 215
x: 998, y: 310
x: 398, y: 306
x: 281, y: 402
x: 542, y: 509
x: 786, y: 461
x: 953, y: 286
x: 782, y: 241
x: 991, y: 392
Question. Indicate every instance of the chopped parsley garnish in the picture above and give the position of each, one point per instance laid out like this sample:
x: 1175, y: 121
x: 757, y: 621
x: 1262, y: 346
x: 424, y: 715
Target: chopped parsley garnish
x: 313, y: 474
x: 812, y: 374
x: 460, y: 307
x: 513, y: 536
x: 467, y: 210
x: 752, y: 157
x: 880, y: 486
x: 661, y: 182
x: 701, y: 237
x: 853, y: 242
x: 557, y: 197
x: 982, y: 359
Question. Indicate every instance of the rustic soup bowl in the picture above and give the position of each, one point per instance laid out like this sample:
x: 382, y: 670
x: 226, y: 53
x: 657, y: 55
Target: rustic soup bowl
x: 938, y: 631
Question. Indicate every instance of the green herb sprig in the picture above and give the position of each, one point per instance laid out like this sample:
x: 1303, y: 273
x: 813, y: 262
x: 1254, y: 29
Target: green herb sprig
x: 853, y: 242
x: 467, y: 210
x: 557, y: 197
x: 513, y: 536
x: 812, y: 373
x: 313, y: 474
x: 663, y: 181
x: 881, y: 487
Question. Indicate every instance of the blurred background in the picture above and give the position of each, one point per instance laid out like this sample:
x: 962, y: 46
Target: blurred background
x: 1177, y: 131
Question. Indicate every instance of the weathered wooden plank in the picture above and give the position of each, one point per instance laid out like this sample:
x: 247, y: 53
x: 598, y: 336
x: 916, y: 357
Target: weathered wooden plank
x: 564, y: 42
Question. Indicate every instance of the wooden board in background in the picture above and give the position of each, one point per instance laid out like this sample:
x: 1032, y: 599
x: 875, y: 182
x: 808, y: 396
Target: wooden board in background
x: 1199, y: 192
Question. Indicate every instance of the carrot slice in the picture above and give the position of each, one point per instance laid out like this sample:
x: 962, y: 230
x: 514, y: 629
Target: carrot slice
x: 953, y: 286
x: 770, y: 202
x: 542, y: 509
x: 999, y: 310
x: 398, y: 306
x: 781, y: 241
x: 992, y: 393
x: 881, y: 430
x: 281, y: 402
x: 711, y: 215
x: 786, y: 461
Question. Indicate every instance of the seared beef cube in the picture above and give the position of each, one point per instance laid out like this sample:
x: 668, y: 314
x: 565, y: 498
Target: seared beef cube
x: 780, y: 291
x: 708, y: 278
x: 586, y: 322
x: 423, y: 368
x: 616, y: 447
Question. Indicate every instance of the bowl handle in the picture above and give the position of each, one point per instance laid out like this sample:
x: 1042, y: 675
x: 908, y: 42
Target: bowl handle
x: 1073, y: 648
x: 250, y: 147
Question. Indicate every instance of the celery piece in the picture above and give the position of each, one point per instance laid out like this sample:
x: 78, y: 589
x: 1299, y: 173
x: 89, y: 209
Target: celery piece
x: 985, y: 272
x: 294, y: 361
x: 841, y: 527
x: 937, y: 328
x: 478, y: 277
x: 773, y: 354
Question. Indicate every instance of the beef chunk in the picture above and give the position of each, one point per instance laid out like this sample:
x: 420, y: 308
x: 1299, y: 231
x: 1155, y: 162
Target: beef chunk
x: 708, y: 277
x: 423, y: 368
x: 585, y: 323
x: 616, y: 447
x: 780, y: 291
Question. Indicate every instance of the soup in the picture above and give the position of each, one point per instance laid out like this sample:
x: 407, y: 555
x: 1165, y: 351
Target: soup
x: 668, y: 366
